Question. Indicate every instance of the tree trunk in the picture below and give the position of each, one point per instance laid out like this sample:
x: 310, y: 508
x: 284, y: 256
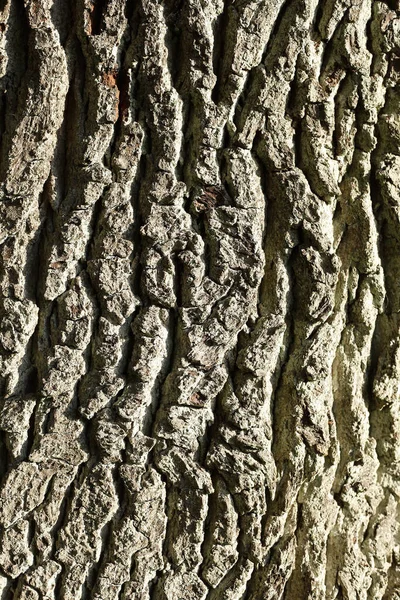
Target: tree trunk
x: 200, y: 299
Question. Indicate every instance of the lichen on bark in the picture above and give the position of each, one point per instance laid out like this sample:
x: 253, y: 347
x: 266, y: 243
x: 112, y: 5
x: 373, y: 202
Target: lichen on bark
x: 199, y: 300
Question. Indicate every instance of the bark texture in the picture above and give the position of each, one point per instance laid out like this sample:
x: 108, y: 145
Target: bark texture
x: 200, y: 300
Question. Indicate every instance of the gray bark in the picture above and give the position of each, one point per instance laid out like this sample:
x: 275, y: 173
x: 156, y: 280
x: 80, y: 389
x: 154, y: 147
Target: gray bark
x: 200, y: 333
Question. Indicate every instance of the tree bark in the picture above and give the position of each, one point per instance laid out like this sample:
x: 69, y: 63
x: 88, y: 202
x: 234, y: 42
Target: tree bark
x: 200, y: 332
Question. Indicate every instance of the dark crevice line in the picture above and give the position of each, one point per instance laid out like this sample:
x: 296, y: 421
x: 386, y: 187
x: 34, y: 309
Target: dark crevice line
x: 32, y: 532
x: 90, y: 254
x: 152, y: 587
x: 186, y: 163
x: 137, y: 224
x: 83, y: 99
x: 4, y: 456
x: 372, y: 367
x: 211, y: 433
x: 293, y: 98
x: 68, y: 153
x: 121, y: 492
x: 58, y: 588
x: 376, y: 157
x: 383, y: 333
x: 28, y: 381
x: 122, y: 84
x: 183, y: 167
x: 265, y: 177
x: 298, y: 153
x: 35, y: 275
x: 320, y: 11
x: 220, y: 30
x: 119, y: 485
x: 89, y: 351
x: 174, y: 42
x: 178, y: 279
x: 33, y: 283
x: 140, y: 206
x: 124, y: 364
x: 31, y: 433
x: 3, y: 112
x: 124, y: 100
x: 98, y: 9
x: 376, y: 198
x: 227, y: 191
x: 82, y: 473
x: 133, y: 17
x: 331, y: 48
x: 18, y: 70
x: 8, y: 593
x: 127, y: 101
x: 63, y: 17
x: 249, y: 84
x: 135, y: 193
x: 80, y: 114
x: 207, y: 542
x: 369, y: 43
x: 177, y: 67
x: 303, y: 166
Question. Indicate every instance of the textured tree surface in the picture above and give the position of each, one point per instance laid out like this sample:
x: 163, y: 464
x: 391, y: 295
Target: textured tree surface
x: 200, y: 300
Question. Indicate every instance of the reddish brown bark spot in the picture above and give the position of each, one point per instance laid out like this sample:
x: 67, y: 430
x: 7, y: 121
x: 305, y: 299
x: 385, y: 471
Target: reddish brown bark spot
x: 211, y: 197
x: 110, y: 78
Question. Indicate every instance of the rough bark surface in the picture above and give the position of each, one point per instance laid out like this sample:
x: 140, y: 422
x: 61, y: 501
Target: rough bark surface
x: 200, y: 299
